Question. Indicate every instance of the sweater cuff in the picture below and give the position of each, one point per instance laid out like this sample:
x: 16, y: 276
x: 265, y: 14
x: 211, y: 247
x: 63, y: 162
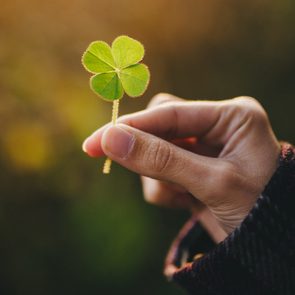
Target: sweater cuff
x: 258, y: 257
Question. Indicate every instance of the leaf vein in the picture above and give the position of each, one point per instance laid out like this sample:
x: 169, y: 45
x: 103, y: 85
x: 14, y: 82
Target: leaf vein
x: 101, y: 59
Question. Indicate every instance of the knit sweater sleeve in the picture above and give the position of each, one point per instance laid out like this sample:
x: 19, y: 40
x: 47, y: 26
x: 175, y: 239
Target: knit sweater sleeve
x: 258, y: 257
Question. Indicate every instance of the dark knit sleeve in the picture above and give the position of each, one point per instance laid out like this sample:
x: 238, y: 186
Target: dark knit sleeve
x: 259, y: 256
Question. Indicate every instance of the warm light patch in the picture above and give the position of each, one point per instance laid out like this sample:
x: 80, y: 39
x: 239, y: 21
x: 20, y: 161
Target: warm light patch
x: 27, y: 146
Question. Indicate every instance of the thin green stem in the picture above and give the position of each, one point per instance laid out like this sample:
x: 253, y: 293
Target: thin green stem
x: 115, y: 112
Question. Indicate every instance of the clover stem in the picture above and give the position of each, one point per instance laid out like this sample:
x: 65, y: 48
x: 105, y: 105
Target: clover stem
x: 115, y: 112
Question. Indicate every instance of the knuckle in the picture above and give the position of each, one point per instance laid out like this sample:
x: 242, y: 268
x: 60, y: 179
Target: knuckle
x: 124, y: 119
x: 247, y: 99
x: 160, y: 157
x: 251, y: 109
x: 161, y: 98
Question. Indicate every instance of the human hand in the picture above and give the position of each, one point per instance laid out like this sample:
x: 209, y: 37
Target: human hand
x: 222, y: 153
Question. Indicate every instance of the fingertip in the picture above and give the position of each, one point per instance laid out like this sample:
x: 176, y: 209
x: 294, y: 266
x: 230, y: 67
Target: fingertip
x: 84, y: 146
x: 92, y: 147
x: 117, y: 141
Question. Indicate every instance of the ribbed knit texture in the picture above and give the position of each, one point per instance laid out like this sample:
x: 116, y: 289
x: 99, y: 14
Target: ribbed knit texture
x: 259, y: 256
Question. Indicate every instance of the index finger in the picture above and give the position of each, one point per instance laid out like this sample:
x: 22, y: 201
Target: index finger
x: 168, y: 121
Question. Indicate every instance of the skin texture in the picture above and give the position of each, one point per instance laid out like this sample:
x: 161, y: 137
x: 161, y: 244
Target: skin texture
x: 211, y: 157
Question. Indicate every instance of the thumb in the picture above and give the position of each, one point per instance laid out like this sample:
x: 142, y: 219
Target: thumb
x: 154, y: 157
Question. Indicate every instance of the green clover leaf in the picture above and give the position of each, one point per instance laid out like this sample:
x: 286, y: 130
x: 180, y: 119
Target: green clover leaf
x: 116, y: 69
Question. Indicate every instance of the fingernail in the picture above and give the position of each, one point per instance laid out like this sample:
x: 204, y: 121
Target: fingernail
x: 118, y: 141
x: 84, y: 145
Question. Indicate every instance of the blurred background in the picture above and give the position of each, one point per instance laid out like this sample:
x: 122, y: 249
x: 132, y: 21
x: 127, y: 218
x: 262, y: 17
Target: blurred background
x: 65, y: 228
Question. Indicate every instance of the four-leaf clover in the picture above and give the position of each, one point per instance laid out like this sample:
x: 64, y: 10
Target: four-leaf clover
x: 116, y: 69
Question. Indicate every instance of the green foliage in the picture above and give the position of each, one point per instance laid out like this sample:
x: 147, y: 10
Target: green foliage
x: 107, y: 85
x: 127, y: 51
x: 116, y: 69
x: 134, y: 79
